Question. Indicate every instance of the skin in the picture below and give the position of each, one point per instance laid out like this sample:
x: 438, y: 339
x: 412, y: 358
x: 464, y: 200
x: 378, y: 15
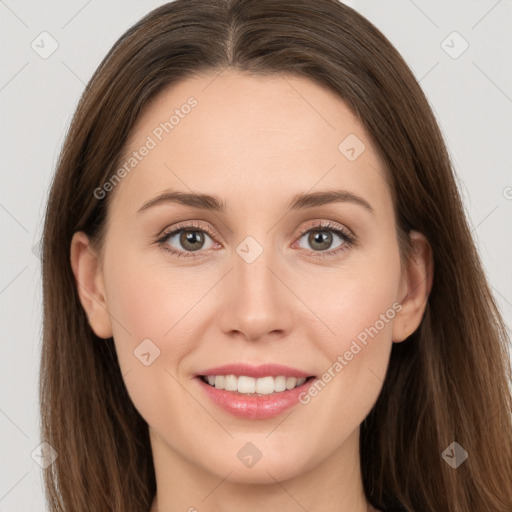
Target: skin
x: 255, y: 142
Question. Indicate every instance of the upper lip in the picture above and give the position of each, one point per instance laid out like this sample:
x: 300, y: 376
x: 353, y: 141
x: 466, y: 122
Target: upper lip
x: 263, y: 370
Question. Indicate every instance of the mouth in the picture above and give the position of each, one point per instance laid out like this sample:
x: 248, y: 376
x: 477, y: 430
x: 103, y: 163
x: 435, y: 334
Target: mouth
x: 252, y: 386
x: 254, y: 392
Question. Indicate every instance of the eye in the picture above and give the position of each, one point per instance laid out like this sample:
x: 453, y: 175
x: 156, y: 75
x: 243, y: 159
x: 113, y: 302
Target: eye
x: 188, y: 241
x: 323, y: 235
x: 184, y: 240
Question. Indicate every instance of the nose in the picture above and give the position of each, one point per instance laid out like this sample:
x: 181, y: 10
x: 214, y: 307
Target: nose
x: 257, y: 303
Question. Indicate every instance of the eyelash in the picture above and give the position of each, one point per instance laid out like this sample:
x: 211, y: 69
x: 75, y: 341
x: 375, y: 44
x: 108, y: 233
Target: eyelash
x: 348, y: 238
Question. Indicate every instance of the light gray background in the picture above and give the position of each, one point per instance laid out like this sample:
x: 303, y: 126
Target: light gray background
x: 471, y: 96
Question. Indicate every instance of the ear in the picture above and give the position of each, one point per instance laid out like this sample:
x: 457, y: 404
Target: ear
x: 86, y: 266
x: 415, y: 287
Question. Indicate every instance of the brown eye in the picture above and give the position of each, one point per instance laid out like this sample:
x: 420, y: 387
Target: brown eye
x: 192, y: 240
x: 187, y: 240
x: 322, y: 239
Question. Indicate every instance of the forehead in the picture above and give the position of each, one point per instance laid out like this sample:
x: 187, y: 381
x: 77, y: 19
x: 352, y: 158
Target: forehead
x: 251, y: 135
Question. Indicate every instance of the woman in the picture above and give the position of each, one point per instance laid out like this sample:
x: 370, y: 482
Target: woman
x: 260, y: 289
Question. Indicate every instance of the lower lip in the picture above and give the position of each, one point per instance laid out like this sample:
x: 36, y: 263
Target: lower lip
x: 255, y: 407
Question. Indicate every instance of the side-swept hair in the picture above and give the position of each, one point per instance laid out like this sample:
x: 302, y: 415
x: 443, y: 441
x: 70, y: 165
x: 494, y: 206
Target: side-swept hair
x: 450, y: 381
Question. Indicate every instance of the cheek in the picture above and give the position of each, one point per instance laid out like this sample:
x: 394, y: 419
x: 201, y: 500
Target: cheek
x: 361, y: 312
x: 356, y: 360
x: 150, y: 299
x: 360, y: 307
x: 354, y: 298
x: 157, y: 314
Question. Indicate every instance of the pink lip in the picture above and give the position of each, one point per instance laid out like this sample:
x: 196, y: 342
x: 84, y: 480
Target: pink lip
x: 264, y: 370
x: 254, y: 407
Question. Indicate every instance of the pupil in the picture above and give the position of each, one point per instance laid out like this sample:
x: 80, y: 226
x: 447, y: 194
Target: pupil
x: 320, y: 237
x: 191, y: 238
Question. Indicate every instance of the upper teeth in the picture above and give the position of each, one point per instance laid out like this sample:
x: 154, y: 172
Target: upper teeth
x: 263, y: 385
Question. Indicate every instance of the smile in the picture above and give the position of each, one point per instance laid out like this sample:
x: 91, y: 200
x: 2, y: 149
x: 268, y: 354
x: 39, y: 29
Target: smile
x: 246, y: 385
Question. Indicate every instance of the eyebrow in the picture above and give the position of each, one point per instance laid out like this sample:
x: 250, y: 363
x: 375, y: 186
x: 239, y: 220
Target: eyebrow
x: 216, y: 204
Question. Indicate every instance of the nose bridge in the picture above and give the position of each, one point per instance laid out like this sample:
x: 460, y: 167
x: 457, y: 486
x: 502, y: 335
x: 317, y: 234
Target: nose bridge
x: 257, y: 303
x: 252, y: 272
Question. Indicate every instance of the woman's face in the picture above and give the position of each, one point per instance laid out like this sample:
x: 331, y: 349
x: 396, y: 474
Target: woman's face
x: 282, y: 274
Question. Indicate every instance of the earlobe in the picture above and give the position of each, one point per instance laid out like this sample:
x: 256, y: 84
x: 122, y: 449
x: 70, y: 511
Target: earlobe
x: 86, y: 267
x: 415, y: 287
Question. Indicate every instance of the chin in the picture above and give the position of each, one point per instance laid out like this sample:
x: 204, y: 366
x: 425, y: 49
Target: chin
x: 264, y: 470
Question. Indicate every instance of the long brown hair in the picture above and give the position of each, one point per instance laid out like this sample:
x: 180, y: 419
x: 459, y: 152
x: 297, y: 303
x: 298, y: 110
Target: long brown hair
x: 449, y: 382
